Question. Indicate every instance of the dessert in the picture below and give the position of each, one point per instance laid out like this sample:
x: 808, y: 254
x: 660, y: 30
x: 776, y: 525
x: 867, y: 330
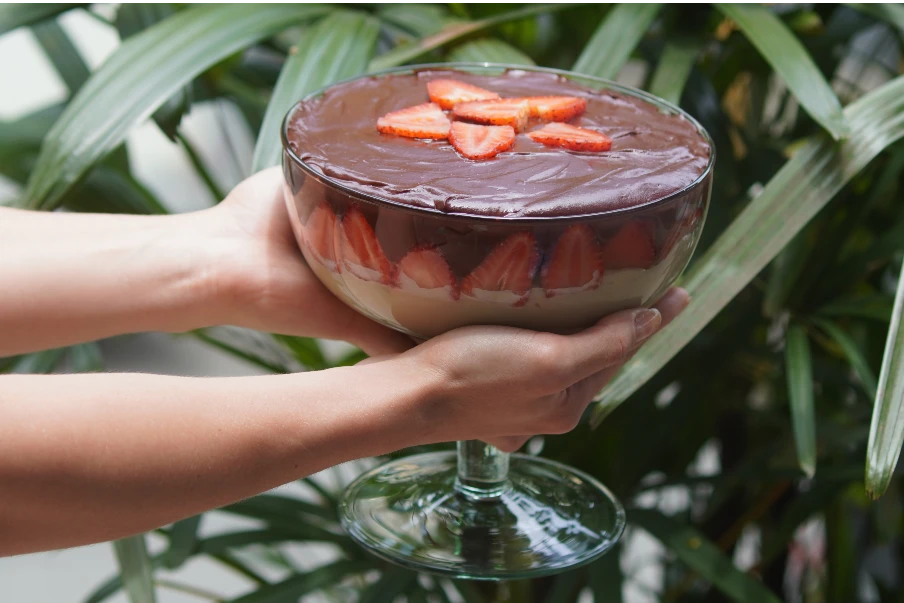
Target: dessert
x: 437, y: 199
x: 429, y: 199
x: 653, y: 153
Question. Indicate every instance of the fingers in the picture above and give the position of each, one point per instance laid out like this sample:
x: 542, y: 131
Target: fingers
x: 672, y: 304
x: 609, y: 341
x: 508, y: 443
x: 374, y: 338
x: 615, y: 338
x: 580, y: 394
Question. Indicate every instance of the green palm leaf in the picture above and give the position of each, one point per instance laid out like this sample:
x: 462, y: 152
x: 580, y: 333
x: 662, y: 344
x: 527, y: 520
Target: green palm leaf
x: 183, y: 538
x: 853, y: 354
x: 306, y: 350
x: 606, y: 579
x: 872, y: 307
x: 338, y: 47
x: 391, y: 584
x: 799, y: 373
x: 787, y: 269
x: 293, y: 588
x: 418, y: 19
x: 292, y: 519
x: 13, y: 16
x: 145, y: 71
x: 674, y: 68
x: 86, y: 358
x: 456, y: 31
x: 792, y: 61
x: 135, y: 18
x: 136, y: 569
x: 886, y: 432
x: 109, y: 190
x: 794, y: 195
x: 565, y: 588
x: 615, y: 39
x: 63, y: 54
x: 489, y: 50
x: 226, y: 542
x: 114, y: 584
x: 692, y: 547
x: 892, y: 13
x: 39, y: 362
x: 262, y: 351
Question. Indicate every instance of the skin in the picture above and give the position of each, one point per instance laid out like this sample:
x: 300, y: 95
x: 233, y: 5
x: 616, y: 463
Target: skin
x: 89, y: 458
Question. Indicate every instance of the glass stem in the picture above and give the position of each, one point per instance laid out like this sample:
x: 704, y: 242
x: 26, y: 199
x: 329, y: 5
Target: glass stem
x: 482, y: 470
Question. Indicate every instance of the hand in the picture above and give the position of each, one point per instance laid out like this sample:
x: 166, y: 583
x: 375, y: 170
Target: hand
x: 498, y: 383
x: 266, y: 281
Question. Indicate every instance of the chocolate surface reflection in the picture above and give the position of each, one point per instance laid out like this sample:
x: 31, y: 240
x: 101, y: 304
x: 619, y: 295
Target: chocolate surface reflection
x: 654, y: 154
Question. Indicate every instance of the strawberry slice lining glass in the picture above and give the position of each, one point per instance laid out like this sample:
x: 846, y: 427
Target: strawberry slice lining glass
x: 438, y: 196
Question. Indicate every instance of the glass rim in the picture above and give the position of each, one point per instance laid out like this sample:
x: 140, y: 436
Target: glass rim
x: 427, y: 211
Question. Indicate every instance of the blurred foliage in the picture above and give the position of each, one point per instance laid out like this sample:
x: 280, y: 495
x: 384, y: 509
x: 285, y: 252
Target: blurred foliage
x: 805, y: 236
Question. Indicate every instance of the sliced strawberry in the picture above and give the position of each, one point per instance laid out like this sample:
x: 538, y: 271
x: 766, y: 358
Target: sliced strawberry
x: 576, y: 263
x: 556, y: 108
x: 509, y: 267
x: 481, y: 142
x: 419, y: 121
x: 448, y: 93
x: 500, y: 112
x: 571, y: 137
x: 319, y: 232
x: 360, y: 251
x: 428, y: 269
x: 631, y: 247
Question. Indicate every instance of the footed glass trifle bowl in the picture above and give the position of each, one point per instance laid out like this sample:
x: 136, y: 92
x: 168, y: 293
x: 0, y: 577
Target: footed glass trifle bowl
x: 423, y: 240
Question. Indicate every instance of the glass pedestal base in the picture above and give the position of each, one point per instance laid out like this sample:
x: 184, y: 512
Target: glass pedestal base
x: 546, y: 518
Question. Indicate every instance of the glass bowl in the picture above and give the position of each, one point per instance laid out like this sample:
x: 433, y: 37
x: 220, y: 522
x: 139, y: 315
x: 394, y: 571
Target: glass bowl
x: 523, y: 516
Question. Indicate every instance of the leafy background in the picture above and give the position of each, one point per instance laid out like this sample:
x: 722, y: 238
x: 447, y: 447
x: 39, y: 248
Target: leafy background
x: 742, y: 449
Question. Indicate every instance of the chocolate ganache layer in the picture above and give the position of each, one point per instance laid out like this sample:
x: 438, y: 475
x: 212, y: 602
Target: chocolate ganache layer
x: 653, y: 153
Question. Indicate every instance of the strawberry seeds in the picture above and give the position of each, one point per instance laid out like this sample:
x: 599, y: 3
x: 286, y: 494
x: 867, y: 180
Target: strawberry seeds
x: 486, y: 125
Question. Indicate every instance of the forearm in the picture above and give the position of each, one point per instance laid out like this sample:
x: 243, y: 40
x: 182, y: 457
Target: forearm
x: 88, y: 458
x: 67, y: 278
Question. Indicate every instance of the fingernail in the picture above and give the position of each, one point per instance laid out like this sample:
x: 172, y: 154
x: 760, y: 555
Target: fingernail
x: 645, y: 323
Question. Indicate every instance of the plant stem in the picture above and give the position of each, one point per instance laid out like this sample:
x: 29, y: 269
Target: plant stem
x: 229, y: 561
x: 190, y: 590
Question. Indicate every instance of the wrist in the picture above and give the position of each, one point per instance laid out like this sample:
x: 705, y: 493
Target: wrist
x: 233, y: 268
x: 424, y: 402
x: 197, y: 253
x: 356, y: 412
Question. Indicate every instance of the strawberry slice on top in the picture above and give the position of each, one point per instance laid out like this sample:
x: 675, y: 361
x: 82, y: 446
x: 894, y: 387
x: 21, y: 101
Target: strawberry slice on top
x: 319, y: 232
x: 556, y: 108
x: 360, y: 250
x: 630, y: 247
x: 512, y: 112
x: 420, y: 121
x: 509, y: 267
x: 576, y: 263
x: 447, y: 93
x: 481, y: 142
x: 426, y: 268
x: 571, y: 137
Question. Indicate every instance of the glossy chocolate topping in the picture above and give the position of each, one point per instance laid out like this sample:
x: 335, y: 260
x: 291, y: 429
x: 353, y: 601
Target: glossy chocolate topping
x: 653, y: 153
